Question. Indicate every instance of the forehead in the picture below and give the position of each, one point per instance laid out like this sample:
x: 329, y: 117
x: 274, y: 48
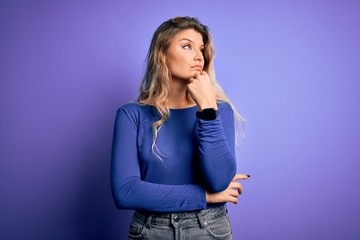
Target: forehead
x: 189, y: 34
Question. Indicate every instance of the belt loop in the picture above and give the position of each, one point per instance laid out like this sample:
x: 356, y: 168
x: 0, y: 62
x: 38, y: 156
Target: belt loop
x: 202, y: 222
x: 148, y: 221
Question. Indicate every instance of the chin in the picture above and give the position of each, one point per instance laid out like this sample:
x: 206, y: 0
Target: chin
x: 195, y: 71
x: 187, y: 76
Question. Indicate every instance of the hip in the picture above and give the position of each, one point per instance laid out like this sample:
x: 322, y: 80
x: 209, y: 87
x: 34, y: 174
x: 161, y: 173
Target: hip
x: 212, y: 223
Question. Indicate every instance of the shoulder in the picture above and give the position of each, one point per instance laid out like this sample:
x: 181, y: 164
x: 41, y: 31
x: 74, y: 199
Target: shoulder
x: 224, y: 107
x: 134, y: 111
x: 131, y: 107
x: 225, y: 112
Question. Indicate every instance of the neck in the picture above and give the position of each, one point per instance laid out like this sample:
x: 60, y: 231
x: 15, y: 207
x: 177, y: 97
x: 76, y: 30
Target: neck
x: 178, y: 95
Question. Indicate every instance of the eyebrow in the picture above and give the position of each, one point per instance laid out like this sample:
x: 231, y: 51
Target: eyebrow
x: 189, y: 41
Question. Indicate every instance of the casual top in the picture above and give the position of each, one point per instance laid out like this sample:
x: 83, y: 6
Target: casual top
x: 189, y: 156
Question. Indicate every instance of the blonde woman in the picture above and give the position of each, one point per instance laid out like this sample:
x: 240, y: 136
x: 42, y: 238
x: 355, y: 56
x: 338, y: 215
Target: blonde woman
x: 173, y: 157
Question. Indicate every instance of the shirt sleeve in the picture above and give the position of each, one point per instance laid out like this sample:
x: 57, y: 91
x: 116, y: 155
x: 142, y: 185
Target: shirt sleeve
x: 129, y: 191
x: 216, y: 140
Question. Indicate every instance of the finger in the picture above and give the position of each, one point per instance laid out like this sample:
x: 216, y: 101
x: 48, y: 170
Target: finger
x: 234, y: 193
x: 237, y: 186
x: 234, y: 185
x: 196, y: 75
x: 233, y: 199
x: 239, y: 176
x: 229, y: 198
x: 191, y: 80
x: 240, y: 190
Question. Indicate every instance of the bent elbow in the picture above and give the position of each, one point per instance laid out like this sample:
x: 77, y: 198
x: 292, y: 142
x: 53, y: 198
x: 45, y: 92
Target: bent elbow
x: 121, y: 200
x: 121, y: 203
x: 123, y: 195
x: 221, y: 183
x: 218, y: 187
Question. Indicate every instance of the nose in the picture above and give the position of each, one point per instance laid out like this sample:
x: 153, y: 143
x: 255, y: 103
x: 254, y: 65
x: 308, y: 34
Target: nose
x: 199, y: 56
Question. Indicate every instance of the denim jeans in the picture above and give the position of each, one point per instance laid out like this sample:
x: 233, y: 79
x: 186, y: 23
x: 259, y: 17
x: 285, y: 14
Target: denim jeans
x: 212, y: 223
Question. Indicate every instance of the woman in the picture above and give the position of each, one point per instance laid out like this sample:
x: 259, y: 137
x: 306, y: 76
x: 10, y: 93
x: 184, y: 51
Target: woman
x: 173, y: 158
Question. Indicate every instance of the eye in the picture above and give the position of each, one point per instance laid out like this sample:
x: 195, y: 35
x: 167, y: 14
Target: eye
x: 187, y: 46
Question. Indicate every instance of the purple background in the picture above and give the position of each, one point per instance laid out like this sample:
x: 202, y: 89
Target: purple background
x: 290, y: 67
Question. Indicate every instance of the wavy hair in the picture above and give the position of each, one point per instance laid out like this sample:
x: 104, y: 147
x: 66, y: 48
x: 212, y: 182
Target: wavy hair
x: 155, y: 85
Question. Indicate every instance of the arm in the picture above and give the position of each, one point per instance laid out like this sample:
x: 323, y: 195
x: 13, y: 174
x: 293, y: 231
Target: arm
x: 129, y: 191
x: 216, y: 138
x: 217, y: 150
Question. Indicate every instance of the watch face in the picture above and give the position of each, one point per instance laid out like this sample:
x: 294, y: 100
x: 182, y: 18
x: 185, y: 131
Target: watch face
x: 207, y: 114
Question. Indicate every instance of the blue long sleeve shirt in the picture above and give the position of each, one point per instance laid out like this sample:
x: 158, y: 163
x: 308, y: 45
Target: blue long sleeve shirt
x: 190, y: 156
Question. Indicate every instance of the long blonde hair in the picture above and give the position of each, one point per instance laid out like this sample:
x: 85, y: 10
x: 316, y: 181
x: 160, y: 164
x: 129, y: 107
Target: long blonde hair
x: 155, y: 85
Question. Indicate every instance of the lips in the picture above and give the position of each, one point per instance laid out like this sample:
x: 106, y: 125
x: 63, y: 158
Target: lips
x: 197, y: 67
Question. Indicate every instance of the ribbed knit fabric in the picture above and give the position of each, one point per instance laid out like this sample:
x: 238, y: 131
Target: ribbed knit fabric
x: 190, y: 155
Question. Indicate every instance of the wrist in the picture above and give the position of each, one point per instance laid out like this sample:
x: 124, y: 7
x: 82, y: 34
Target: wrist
x: 204, y: 105
x: 207, y: 197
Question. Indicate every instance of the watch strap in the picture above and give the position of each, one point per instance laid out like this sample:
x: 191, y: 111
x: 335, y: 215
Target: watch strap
x: 207, y: 114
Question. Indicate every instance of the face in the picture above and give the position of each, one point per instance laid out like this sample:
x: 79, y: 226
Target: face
x: 185, y: 57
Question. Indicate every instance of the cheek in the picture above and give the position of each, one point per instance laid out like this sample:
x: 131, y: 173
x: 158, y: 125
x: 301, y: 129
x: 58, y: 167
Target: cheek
x: 171, y: 65
x: 174, y: 63
x: 178, y: 64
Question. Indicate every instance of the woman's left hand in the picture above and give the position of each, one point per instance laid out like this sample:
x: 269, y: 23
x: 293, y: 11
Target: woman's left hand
x: 202, y: 91
x: 230, y: 194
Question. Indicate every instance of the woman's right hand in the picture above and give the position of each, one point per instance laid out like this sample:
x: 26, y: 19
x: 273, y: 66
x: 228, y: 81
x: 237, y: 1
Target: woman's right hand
x: 230, y: 194
x: 202, y: 91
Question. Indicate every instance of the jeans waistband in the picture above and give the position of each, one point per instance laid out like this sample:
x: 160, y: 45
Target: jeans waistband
x: 167, y: 218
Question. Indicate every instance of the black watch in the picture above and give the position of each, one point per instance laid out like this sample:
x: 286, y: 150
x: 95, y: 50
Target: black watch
x: 207, y: 114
